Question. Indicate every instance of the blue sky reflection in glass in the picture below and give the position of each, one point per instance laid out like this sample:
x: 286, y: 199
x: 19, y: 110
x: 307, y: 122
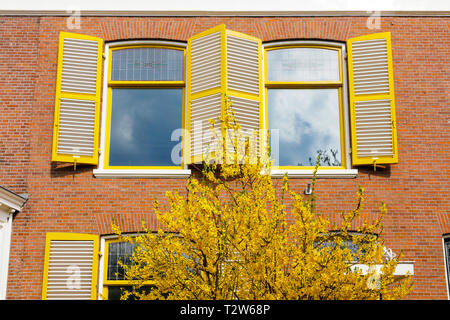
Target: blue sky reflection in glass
x: 142, y: 122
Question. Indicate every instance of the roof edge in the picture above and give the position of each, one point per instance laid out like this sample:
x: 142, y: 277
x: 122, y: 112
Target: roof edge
x: 11, y: 199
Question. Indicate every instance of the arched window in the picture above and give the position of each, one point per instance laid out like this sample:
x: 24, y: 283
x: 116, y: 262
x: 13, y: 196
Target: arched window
x: 114, y: 280
x: 144, y: 107
x: 304, y: 84
x: 447, y: 259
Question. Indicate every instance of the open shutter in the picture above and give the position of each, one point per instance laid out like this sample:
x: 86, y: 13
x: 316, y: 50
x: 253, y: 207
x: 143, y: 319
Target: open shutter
x: 222, y: 64
x: 77, y: 105
x: 372, y: 105
x: 70, y: 269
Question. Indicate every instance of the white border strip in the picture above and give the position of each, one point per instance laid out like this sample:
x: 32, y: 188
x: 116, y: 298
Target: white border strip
x: 402, y: 269
x: 196, y: 13
x: 145, y: 173
x: 321, y: 173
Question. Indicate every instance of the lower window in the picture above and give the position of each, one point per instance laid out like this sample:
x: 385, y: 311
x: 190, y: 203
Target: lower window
x: 447, y: 260
x: 114, y: 281
x: 115, y: 292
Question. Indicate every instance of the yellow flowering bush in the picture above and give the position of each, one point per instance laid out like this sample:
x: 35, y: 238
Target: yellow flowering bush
x: 234, y: 235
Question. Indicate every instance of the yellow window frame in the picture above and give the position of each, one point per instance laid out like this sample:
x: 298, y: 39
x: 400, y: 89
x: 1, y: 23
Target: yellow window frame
x: 143, y: 84
x: 113, y: 283
x: 310, y: 85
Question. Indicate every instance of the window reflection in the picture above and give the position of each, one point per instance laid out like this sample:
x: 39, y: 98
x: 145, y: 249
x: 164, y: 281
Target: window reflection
x: 119, y: 251
x: 142, y: 122
x: 355, y: 242
x: 303, y: 64
x: 447, y: 256
x: 116, y: 292
x: 147, y: 64
x: 308, y: 124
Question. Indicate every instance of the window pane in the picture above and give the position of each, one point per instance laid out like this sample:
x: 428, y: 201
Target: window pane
x: 115, y: 292
x: 308, y: 124
x: 142, y: 122
x: 303, y: 64
x: 347, y: 242
x: 122, y: 251
x: 447, y: 256
x: 147, y: 64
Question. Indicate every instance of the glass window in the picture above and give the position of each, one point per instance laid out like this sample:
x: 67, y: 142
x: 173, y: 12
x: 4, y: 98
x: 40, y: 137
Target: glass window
x: 447, y: 259
x: 307, y: 128
x: 119, y: 251
x: 142, y: 122
x: 303, y: 64
x: 145, y: 108
x: 304, y: 100
x: 349, y: 242
x: 147, y: 64
x: 115, y: 292
x: 115, y: 282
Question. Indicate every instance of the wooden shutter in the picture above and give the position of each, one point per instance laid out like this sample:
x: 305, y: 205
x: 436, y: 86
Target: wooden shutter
x: 77, y: 105
x: 372, y: 103
x: 222, y: 64
x: 70, y: 268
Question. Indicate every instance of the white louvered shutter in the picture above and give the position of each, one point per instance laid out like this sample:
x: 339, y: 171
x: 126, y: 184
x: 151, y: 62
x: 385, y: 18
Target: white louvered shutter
x: 243, y: 76
x: 75, y: 135
x: 71, y: 262
x: 223, y: 66
x: 372, y: 103
x: 204, y: 61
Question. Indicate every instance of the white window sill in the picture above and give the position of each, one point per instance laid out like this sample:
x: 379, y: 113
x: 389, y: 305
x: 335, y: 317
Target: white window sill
x: 292, y: 173
x: 130, y: 173
x: 402, y: 269
x: 324, y: 173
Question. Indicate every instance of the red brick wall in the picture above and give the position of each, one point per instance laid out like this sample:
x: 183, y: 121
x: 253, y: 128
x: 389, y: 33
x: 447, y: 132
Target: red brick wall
x: 19, y: 49
x: 416, y: 190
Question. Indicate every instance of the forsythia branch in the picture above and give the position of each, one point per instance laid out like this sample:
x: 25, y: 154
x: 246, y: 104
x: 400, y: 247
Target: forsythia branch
x: 234, y: 235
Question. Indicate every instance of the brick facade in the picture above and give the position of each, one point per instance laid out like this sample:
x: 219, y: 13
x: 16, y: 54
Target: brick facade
x: 416, y: 189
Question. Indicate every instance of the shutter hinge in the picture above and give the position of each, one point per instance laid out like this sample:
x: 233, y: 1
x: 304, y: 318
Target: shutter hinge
x: 100, y: 254
x: 346, y: 55
x: 75, y: 158
x: 103, y: 56
x: 99, y: 151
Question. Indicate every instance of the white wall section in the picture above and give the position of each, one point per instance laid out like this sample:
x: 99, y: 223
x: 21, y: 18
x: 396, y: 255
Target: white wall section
x: 230, y: 7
